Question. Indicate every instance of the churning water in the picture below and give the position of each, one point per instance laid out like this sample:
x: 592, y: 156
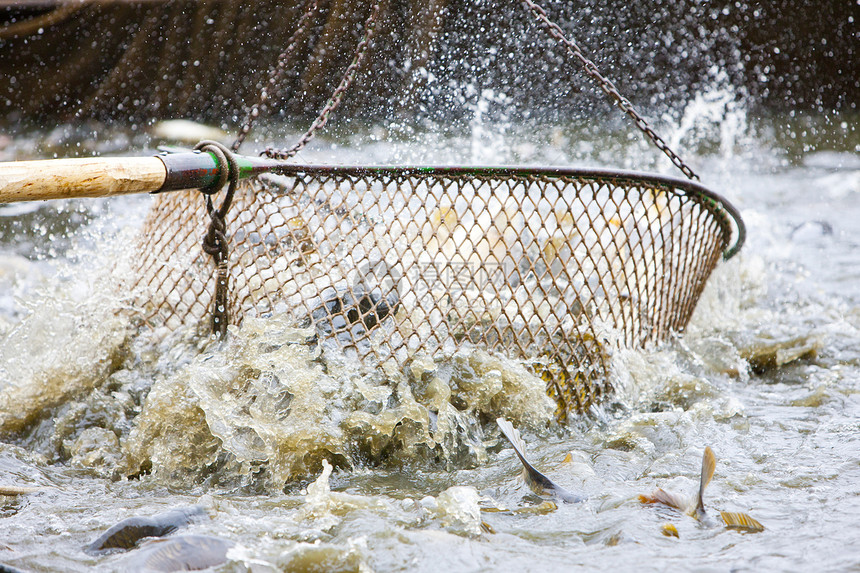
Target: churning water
x: 107, y: 424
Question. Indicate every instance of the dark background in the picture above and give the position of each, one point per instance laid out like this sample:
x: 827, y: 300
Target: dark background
x: 206, y: 60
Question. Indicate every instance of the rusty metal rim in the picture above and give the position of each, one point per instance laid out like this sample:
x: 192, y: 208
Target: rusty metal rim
x: 720, y: 204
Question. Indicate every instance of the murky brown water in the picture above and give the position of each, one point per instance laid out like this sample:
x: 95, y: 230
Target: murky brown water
x: 109, y: 424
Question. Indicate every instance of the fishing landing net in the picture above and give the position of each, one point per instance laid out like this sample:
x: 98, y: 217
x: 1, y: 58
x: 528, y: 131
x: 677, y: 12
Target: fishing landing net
x: 555, y: 266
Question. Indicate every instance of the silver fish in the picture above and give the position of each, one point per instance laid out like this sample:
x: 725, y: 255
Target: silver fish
x: 127, y: 533
x: 537, y: 482
x: 182, y: 553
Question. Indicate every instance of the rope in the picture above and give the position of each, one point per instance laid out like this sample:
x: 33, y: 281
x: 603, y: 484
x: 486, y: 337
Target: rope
x: 215, y: 242
x: 609, y: 88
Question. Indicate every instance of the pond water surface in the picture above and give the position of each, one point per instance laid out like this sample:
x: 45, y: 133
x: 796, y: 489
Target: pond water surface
x: 107, y: 424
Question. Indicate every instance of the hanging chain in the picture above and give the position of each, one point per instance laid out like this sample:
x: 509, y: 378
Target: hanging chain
x: 334, y: 100
x: 216, y: 241
x: 609, y: 88
x: 275, y: 74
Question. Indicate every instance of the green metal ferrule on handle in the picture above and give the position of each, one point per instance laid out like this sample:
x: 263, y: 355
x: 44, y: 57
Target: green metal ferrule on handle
x: 201, y: 169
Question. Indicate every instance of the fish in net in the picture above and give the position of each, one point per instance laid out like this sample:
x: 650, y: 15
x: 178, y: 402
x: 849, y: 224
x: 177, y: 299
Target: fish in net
x: 555, y: 266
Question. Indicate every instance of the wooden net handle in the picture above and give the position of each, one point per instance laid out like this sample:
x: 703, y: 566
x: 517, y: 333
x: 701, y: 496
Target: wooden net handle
x: 82, y: 177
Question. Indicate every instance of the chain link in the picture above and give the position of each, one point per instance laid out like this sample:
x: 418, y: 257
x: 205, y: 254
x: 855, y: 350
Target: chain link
x: 275, y: 74
x: 554, y: 30
x: 334, y: 100
x: 609, y: 88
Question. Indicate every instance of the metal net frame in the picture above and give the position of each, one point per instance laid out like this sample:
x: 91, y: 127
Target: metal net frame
x: 556, y: 266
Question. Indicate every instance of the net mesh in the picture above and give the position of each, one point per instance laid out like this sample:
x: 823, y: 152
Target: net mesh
x: 554, y: 266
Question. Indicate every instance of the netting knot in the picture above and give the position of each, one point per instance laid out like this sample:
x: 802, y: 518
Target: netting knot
x: 215, y: 242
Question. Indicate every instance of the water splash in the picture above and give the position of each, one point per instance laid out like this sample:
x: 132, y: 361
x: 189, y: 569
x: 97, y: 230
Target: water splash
x: 716, y: 118
x: 270, y: 407
x: 489, y: 124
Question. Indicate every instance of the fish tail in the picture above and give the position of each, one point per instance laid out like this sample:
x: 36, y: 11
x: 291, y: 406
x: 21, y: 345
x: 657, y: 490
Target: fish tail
x: 741, y: 521
x: 709, y: 464
x: 513, y: 436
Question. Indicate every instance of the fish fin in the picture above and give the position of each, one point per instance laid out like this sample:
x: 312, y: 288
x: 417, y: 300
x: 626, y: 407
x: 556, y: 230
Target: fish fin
x: 660, y: 495
x: 568, y: 458
x: 709, y: 464
x: 537, y: 482
x: 669, y: 530
x: 530, y: 474
x: 741, y: 521
x: 513, y: 436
